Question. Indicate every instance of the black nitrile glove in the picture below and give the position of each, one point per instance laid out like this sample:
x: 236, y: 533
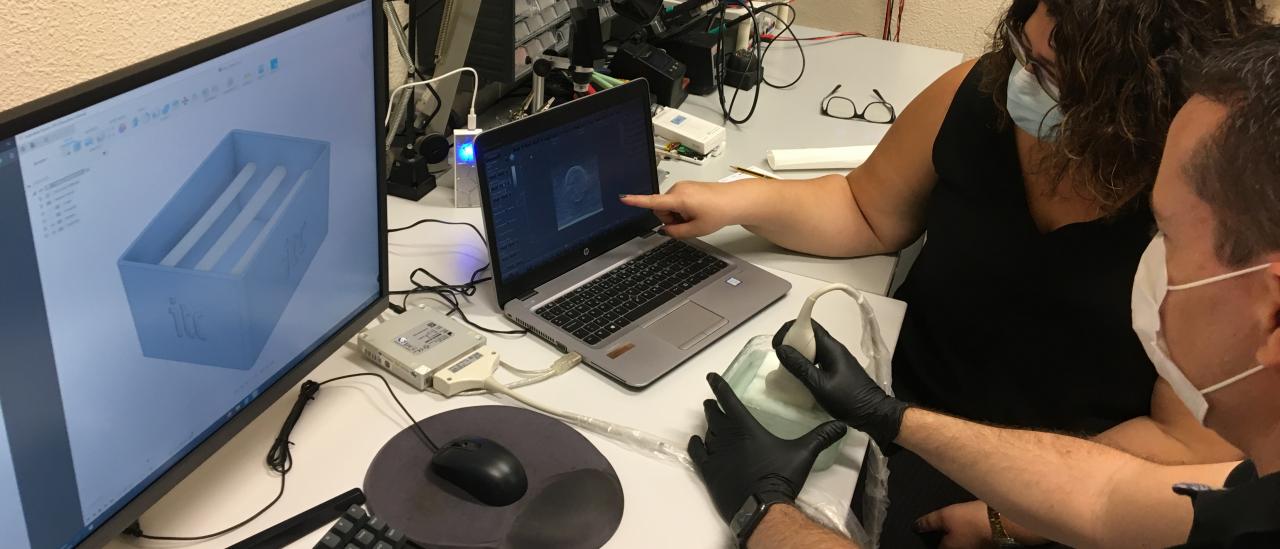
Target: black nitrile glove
x: 842, y: 387
x: 740, y: 458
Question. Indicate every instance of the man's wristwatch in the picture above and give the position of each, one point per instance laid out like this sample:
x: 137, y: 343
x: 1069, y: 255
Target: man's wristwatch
x: 998, y: 533
x: 748, y: 517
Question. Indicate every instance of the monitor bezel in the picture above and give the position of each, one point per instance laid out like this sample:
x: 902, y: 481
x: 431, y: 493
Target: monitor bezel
x: 62, y: 103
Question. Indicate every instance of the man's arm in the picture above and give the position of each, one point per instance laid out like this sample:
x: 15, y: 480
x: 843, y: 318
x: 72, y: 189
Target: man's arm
x: 1170, y: 435
x: 1074, y: 491
x: 785, y: 527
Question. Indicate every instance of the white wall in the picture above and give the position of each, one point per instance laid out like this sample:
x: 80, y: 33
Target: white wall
x: 957, y: 25
x: 53, y: 44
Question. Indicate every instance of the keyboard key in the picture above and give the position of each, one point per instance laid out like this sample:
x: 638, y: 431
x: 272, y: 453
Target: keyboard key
x: 383, y: 545
x: 344, y: 525
x: 356, y: 513
x: 365, y: 538
x: 377, y: 525
x: 394, y: 536
x: 329, y: 541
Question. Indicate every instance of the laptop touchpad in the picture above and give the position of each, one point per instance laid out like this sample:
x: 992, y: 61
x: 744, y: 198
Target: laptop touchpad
x: 686, y: 325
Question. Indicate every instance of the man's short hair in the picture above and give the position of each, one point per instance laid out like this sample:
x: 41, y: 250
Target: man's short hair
x: 1237, y: 171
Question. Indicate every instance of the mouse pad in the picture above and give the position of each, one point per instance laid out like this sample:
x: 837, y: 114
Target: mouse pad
x: 574, y: 500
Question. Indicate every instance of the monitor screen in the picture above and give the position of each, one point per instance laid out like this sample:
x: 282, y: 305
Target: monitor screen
x: 555, y: 191
x: 172, y: 251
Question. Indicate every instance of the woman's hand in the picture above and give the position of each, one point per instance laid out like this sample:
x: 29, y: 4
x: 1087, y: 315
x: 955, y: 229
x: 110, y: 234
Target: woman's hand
x: 692, y: 209
x: 965, y: 525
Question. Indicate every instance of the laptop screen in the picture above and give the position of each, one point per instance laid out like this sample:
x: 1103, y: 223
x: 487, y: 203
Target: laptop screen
x: 553, y: 193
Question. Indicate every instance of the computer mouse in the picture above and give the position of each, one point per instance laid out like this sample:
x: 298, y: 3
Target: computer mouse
x: 486, y: 470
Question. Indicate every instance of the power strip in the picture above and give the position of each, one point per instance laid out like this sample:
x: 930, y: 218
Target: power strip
x: 417, y: 344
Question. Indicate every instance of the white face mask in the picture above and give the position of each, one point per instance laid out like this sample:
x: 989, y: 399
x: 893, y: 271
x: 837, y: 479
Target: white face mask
x: 1030, y: 106
x: 1150, y: 286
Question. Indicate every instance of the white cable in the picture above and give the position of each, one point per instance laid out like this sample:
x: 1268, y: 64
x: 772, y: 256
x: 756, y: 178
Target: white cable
x: 471, y: 117
x: 631, y: 438
x: 560, y: 366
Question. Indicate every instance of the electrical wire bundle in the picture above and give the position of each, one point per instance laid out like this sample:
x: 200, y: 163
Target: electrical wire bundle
x: 889, y: 32
x: 452, y: 294
x: 720, y: 25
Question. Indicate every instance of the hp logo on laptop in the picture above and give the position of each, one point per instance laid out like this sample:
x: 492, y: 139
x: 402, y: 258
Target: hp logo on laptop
x: 586, y: 251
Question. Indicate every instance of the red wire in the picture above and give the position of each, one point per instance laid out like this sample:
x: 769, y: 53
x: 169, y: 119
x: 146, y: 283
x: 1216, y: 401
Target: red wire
x: 902, y: 4
x: 888, y: 18
x: 781, y: 38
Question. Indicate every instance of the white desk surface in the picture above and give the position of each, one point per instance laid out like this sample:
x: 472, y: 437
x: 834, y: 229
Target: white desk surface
x: 665, y: 505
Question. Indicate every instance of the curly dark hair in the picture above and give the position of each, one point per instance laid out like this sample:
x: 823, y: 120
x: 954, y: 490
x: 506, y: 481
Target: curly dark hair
x: 1118, y: 75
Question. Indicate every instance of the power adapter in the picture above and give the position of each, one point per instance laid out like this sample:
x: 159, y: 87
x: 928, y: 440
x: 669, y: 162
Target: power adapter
x: 742, y: 70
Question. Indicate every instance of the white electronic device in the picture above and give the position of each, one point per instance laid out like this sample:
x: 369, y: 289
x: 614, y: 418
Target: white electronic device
x: 699, y: 135
x: 466, y: 179
x: 418, y: 343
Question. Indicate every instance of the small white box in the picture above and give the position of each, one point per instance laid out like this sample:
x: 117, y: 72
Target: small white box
x: 693, y: 132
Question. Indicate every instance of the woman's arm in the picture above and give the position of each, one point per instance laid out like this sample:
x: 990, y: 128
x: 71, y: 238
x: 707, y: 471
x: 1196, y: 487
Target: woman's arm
x: 877, y: 208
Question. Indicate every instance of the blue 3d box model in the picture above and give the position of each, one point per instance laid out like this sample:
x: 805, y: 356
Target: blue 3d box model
x: 209, y: 277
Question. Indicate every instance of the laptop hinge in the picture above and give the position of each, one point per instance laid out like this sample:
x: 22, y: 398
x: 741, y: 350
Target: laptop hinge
x: 528, y: 295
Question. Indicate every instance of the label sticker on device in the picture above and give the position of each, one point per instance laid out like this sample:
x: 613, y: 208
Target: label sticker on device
x: 423, y: 337
x: 464, y: 363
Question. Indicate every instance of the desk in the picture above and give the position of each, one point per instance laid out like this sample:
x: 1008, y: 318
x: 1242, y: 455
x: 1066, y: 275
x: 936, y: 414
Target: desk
x: 666, y: 506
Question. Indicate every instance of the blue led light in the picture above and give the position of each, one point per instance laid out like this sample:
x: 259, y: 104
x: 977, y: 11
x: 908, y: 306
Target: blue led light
x: 467, y: 153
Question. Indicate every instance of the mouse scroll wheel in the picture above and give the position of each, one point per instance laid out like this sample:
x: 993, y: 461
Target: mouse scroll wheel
x: 468, y: 445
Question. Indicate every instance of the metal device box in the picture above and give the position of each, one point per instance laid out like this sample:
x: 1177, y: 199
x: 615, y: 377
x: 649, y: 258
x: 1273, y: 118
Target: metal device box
x: 417, y: 343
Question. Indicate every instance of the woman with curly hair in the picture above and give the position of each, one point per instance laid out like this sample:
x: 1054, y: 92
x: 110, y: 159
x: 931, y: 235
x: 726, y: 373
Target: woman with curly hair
x: 1029, y: 169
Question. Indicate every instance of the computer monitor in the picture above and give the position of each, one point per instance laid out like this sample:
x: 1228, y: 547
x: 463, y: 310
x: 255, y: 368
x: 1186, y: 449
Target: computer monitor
x: 182, y: 242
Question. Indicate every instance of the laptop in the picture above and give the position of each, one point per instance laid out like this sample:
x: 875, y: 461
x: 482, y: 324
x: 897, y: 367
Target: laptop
x: 588, y: 274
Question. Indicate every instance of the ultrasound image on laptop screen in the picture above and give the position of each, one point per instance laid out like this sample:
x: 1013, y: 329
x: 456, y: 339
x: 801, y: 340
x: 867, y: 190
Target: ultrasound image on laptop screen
x: 553, y: 192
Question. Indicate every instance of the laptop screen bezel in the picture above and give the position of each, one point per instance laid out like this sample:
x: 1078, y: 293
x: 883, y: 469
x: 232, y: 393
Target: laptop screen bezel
x: 635, y: 93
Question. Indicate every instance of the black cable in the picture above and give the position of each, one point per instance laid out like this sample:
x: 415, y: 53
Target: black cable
x: 787, y: 29
x: 452, y: 294
x: 280, y: 459
x: 413, y: 18
x: 727, y: 108
x: 425, y: 438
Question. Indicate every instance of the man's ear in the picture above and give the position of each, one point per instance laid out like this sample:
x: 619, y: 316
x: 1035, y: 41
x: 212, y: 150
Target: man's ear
x: 1269, y: 353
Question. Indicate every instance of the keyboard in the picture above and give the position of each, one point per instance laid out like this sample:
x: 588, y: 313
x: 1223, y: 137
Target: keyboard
x: 357, y: 529
x: 598, y: 309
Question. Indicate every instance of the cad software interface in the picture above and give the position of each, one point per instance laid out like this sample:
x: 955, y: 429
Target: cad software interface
x: 554, y: 192
x: 176, y: 249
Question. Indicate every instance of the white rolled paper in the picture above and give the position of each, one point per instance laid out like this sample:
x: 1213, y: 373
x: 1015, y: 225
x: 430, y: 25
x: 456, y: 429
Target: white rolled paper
x: 833, y: 158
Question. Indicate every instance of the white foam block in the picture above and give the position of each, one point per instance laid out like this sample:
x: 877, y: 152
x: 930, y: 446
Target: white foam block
x: 833, y: 158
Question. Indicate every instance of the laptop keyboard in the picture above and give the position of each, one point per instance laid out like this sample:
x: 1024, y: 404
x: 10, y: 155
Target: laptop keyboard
x: 598, y: 309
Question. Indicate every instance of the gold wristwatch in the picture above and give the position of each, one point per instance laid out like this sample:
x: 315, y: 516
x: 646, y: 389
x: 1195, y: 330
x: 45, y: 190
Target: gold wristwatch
x: 998, y: 534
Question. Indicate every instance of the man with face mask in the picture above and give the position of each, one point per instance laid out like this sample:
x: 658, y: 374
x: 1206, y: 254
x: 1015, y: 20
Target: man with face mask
x: 1206, y: 306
